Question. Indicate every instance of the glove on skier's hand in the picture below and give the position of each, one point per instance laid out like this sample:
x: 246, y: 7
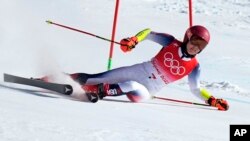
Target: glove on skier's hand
x: 128, y: 43
x: 221, y: 104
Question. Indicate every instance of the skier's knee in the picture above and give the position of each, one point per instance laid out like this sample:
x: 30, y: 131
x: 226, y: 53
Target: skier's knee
x: 135, y: 91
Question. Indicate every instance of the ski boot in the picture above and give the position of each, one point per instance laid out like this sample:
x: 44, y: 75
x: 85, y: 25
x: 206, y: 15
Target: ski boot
x: 94, y: 92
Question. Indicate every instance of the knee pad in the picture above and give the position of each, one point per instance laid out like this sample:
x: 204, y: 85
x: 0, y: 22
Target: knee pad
x: 135, y: 91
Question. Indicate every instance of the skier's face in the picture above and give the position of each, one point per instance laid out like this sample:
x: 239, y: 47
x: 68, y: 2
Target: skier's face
x: 195, y: 45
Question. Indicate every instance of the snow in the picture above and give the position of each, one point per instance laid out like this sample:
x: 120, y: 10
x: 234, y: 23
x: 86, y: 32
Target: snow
x: 32, y: 48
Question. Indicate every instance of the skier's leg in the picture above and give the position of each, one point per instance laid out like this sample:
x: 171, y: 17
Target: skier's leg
x: 122, y: 74
x: 135, y: 91
x: 81, y: 78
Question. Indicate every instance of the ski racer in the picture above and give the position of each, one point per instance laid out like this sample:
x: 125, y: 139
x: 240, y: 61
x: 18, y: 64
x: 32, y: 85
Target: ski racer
x: 174, y: 61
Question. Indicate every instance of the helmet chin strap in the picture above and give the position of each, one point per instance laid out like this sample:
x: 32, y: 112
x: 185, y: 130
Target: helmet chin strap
x: 185, y: 53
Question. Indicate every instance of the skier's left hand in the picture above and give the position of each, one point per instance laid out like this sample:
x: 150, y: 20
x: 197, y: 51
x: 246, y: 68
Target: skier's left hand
x: 221, y: 104
x: 128, y: 43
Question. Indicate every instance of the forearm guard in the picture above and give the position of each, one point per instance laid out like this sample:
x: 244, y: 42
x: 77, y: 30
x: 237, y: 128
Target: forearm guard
x: 143, y: 34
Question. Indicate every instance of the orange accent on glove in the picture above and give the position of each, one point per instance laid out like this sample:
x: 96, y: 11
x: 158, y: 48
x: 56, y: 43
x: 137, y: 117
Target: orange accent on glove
x: 128, y: 43
x: 221, y: 104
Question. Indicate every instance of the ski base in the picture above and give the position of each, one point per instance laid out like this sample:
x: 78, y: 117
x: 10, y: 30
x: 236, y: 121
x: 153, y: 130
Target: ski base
x: 60, y: 88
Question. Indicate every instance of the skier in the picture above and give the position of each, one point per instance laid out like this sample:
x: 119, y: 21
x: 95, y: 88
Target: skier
x: 174, y: 61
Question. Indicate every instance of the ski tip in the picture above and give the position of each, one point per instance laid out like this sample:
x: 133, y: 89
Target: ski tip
x: 7, y: 77
x: 49, y: 22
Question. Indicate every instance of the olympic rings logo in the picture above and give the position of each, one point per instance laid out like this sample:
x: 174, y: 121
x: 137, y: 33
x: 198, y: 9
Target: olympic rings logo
x: 173, y: 64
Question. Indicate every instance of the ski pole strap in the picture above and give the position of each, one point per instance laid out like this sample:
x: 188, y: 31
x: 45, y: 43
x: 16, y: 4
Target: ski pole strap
x: 180, y: 101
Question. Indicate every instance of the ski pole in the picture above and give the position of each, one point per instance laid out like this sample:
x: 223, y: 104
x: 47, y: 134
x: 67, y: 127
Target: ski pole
x: 84, y: 32
x: 180, y: 101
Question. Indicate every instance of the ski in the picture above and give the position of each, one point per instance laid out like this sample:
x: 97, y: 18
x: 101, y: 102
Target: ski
x: 60, y: 88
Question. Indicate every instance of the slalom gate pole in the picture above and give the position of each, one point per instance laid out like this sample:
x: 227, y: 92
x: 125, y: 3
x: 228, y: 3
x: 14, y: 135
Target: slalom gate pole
x: 113, y: 34
x: 180, y: 101
x: 84, y: 32
x: 190, y: 13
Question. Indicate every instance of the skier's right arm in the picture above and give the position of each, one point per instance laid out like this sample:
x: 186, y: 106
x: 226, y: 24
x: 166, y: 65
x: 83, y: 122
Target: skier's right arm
x: 161, y: 38
x: 202, y: 93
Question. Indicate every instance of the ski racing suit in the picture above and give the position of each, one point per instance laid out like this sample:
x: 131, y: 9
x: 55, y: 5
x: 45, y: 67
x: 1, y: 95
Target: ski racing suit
x: 149, y: 77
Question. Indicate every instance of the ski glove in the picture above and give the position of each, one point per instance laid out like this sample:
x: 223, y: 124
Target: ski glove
x: 221, y: 104
x: 128, y: 44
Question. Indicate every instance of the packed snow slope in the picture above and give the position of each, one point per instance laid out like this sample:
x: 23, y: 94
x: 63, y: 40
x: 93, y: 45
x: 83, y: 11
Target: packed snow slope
x: 32, y: 48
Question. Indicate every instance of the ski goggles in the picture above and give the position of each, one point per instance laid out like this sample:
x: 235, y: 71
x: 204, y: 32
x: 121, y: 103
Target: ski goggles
x: 198, y: 42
